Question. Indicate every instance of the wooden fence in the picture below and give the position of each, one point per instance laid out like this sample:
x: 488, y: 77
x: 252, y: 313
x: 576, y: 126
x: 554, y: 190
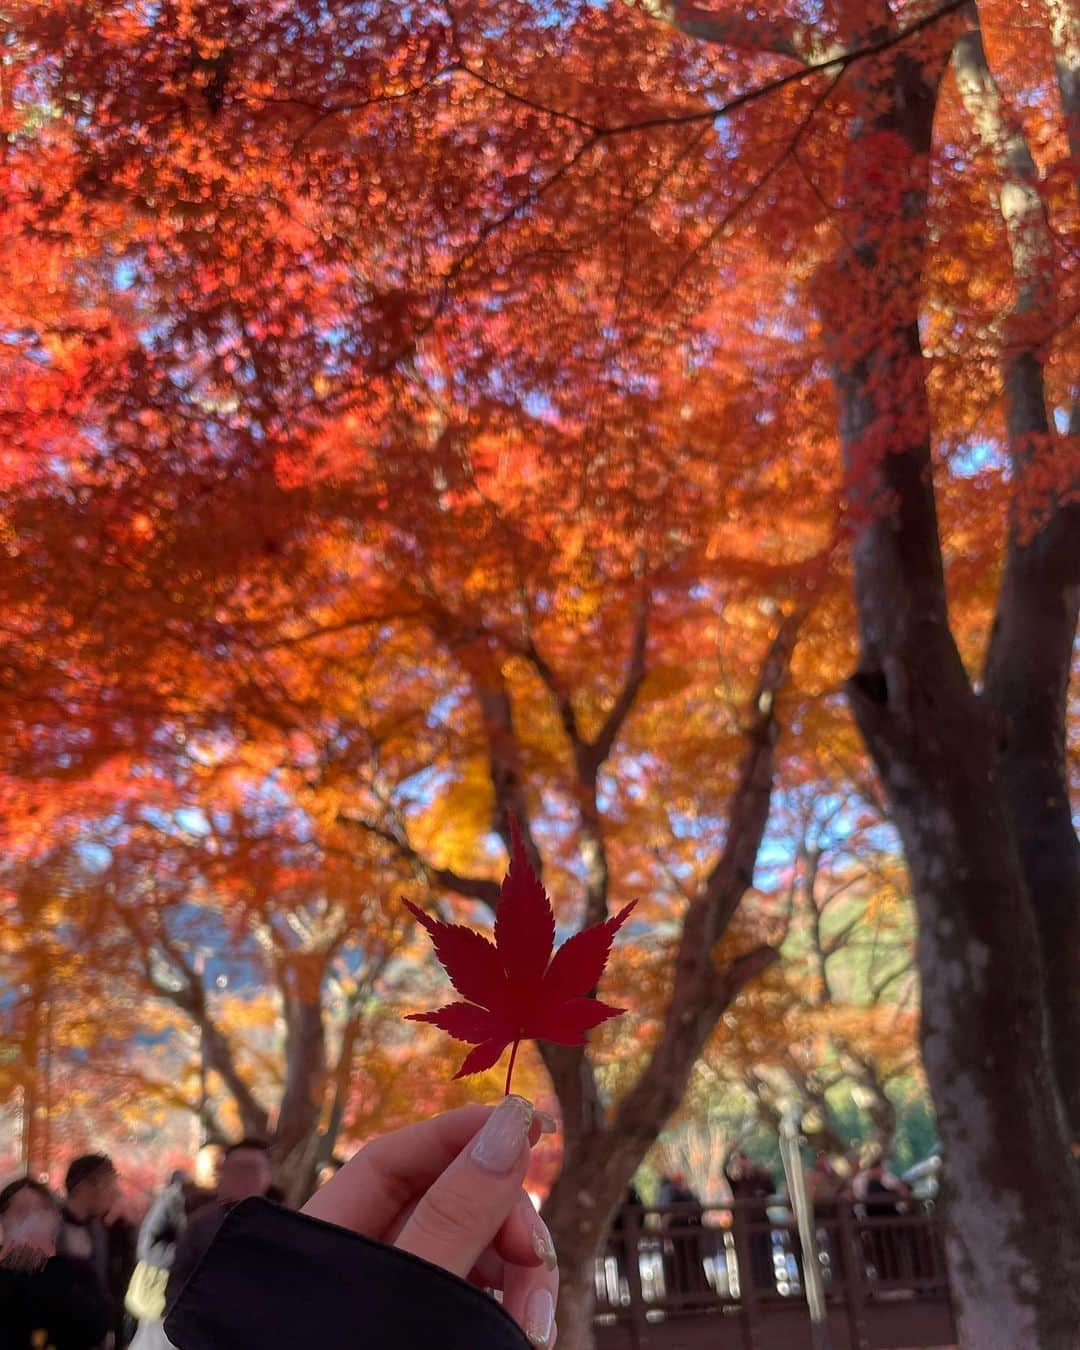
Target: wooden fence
x: 735, y: 1281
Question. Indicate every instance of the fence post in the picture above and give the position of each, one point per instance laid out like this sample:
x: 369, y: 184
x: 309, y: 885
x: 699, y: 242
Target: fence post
x: 854, y: 1270
x: 747, y: 1291
x: 633, y: 1222
x: 805, y: 1234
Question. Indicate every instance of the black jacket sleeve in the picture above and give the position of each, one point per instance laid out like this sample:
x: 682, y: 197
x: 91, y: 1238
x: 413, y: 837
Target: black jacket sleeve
x: 276, y: 1280
x: 192, y: 1247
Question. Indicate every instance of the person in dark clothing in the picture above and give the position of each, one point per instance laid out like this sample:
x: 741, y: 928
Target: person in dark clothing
x: 389, y: 1254
x: 828, y: 1191
x: 883, y: 1197
x: 92, y: 1188
x: 245, y: 1173
x: 684, y: 1268
x: 45, y: 1299
x: 120, y: 1239
x: 755, y: 1184
x: 625, y: 1229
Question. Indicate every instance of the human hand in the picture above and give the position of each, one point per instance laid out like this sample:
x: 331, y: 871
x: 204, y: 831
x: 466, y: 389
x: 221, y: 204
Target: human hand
x: 449, y: 1190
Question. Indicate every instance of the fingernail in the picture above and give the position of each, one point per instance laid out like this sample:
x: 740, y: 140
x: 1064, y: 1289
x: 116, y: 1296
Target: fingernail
x: 540, y: 1317
x: 547, y: 1123
x: 506, y: 1131
x: 542, y: 1243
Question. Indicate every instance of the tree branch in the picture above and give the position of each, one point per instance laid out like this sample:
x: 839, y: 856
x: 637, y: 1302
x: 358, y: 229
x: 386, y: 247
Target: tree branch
x: 599, y: 750
x: 474, y: 888
x: 745, y: 30
x: 190, y: 998
x: 700, y: 992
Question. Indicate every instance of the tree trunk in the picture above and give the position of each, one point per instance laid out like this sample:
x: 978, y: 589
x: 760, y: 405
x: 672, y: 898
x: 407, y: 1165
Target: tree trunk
x: 296, y: 1138
x: 1028, y: 662
x: 1013, y: 1186
x: 578, y: 1212
x: 577, y: 1287
x: 600, y: 1159
x: 1026, y: 683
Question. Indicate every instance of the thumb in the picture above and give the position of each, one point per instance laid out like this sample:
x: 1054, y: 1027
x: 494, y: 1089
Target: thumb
x: 460, y: 1214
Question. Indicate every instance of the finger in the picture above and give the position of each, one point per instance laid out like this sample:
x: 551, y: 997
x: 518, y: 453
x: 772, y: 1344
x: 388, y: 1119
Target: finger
x: 524, y: 1239
x: 530, y: 1296
x: 489, y: 1271
x: 372, y: 1190
x: 462, y: 1211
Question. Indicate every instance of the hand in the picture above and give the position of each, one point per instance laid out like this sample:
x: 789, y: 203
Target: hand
x: 449, y: 1190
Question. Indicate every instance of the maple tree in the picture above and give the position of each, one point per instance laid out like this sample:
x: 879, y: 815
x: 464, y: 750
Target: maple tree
x: 846, y: 991
x: 431, y: 408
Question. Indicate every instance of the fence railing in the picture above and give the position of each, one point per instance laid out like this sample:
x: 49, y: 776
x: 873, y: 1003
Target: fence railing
x: 744, y: 1261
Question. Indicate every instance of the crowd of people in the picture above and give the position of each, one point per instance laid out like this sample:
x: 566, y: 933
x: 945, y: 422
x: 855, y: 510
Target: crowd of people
x: 64, y: 1259
x: 76, y: 1273
x: 222, y: 1262
x: 867, y: 1192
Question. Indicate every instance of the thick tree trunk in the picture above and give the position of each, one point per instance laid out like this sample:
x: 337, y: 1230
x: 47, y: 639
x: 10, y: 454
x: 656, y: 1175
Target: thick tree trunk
x: 1026, y: 684
x: 578, y: 1212
x: 1030, y: 652
x: 1014, y: 1191
x: 600, y: 1158
x: 1012, y: 1186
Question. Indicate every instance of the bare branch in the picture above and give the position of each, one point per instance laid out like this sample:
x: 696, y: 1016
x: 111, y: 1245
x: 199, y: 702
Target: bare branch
x: 475, y: 888
x: 746, y: 30
x: 601, y: 747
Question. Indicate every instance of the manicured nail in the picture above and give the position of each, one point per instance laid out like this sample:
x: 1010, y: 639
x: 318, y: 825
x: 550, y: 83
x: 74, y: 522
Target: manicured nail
x: 547, y: 1123
x: 540, y: 1318
x: 542, y: 1243
x: 506, y: 1132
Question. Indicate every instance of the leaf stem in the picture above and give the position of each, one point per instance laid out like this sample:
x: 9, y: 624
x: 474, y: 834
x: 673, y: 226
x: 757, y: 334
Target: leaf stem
x: 510, y: 1067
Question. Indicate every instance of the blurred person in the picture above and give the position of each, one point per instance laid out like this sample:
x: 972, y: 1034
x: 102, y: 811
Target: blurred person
x: 92, y: 1189
x: 161, y: 1231
x: 344, y: 1273
x: 879, y: 1191
x: 753, y: 1185
x: 245, y: 1173
x: 120, y: 1240
x: 45, y: 1299
x: 626, y: 1229
x: 828, y: 1190
x: 685, y: 1267
x: 883, y: 1196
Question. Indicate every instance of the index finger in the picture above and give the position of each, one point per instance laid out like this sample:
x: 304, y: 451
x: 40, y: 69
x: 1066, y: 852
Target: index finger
x: 372, y: 1189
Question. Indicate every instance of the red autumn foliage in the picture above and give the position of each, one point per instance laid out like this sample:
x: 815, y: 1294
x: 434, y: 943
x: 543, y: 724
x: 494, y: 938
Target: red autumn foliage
x: 514, y: 988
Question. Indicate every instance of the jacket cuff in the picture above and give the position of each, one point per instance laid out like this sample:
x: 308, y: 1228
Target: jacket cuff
x: 276, y: 1280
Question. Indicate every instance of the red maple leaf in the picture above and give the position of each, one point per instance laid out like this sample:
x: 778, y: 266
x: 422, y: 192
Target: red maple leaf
x: 514, y: 988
